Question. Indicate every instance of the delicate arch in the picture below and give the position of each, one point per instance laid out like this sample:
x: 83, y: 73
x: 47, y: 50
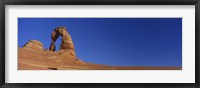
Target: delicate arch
x: 66, y: 39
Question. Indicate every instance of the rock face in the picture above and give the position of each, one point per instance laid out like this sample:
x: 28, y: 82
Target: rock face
x: 66, y: 46
x: 34, y: 44
x: 66, y: 43
x: 30, y: 59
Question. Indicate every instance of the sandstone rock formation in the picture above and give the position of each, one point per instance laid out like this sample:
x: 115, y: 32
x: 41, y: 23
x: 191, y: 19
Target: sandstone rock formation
x: 31, y: 59
x: 66, y: 46
x: 66, y: 43
x: 34, y: 44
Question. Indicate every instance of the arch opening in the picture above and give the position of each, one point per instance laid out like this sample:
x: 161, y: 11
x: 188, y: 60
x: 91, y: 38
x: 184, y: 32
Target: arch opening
x: 66, y: 41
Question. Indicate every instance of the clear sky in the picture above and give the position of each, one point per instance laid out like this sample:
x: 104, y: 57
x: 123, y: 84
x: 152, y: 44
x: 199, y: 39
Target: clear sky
x: 113, y: 41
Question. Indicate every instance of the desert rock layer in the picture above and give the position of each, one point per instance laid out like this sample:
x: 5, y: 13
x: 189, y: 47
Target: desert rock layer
x: 34, y: 57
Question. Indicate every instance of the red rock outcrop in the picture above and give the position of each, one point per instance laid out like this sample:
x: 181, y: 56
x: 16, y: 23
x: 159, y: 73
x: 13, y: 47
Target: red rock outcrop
x: 66, y: 46
x: 34, y: 44
x: 30, y: 59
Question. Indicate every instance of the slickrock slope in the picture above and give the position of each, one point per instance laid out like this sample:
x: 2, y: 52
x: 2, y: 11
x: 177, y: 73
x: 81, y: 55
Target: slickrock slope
x: 32, y: 56
x: 34, y: 44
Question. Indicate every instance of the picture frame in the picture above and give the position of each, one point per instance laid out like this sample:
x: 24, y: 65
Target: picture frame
x: 99, y: 2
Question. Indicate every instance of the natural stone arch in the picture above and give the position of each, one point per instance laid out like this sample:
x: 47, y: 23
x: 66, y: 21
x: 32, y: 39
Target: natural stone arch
x: 66, y: 39
x: 66, y: 46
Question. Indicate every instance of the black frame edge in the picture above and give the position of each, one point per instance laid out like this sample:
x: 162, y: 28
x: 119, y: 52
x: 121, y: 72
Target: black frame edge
x: 101, y: 2
x: 2, y: 44
x: 197, y: 42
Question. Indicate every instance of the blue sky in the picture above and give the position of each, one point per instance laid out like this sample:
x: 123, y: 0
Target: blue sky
x: 113, y: 41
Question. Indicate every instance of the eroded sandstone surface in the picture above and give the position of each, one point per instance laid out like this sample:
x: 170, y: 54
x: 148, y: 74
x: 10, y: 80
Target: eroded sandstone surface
x: 66, y: 47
